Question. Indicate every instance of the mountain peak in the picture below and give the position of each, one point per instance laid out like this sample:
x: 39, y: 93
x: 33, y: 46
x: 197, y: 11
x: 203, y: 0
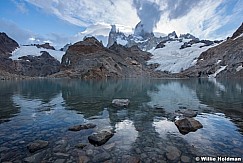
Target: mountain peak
x: 7, y: 45
x: 140, y: 31
x: 238, y: 32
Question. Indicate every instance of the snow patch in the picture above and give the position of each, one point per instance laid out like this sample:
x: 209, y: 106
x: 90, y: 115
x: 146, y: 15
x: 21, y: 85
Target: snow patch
x: 173, y: 59
x: 217, y: 72
x: 34, y: 51
x: 239, y: 68
x: 121, y: 41
x: 218, y: 61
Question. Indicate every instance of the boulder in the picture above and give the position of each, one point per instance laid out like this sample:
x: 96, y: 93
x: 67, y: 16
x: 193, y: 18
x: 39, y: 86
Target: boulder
x: 37, y: 145
x: 82, y: 127
x: 120, y: 102
x: 100, y: 138
x: 187, y: 125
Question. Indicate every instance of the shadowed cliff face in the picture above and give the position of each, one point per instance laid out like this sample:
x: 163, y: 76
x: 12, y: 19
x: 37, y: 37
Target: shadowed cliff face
x: 89, y: 59
x: 7, y: 45
x: 224, y: 60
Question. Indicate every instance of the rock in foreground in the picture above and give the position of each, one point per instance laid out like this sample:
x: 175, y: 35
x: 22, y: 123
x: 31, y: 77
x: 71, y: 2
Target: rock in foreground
x: 187, y: 125
x: 100, y: 138
x: 82, y: 127
x: 120, y: 102
x: 37, y: 145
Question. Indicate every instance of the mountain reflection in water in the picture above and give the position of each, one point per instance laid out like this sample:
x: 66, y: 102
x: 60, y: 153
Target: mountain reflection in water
x: 45, y: 109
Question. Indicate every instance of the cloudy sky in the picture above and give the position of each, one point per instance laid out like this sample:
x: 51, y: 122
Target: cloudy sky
x: 58, y: 21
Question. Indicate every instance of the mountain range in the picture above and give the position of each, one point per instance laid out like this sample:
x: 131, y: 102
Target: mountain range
x: 138, y: 54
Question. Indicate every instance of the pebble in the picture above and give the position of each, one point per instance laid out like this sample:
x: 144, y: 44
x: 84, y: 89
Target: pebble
x: 185, y: 159
x: 83, y: 159
x: 60, y: 161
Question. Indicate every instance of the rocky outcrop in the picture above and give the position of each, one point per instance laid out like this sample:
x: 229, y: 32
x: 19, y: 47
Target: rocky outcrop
x: 65, y: 48
x: 160, y: 45
x: 7, y: 45
x: 224, y: 60
x: 238, y: 32
x: 37, y: 66
x: 89, y: 59
x: 100, y: 138
x: 187, y: 125
x: 45, y: 46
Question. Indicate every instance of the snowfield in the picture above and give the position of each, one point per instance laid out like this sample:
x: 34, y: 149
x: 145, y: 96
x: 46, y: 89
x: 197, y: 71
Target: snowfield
x: 34, y: 51
x: 173, y: 59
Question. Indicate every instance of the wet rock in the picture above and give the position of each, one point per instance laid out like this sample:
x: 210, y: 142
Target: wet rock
x: 83, y: 159
x: 120, y: 102
x: 187, y: 125
x: 185, y: 159
x: 100, y: 138
x: 34, y: 158
x: 60, y: 161
x: 82, y: 127
x: 59, y: 154
x: 37, y: 145
x: 137, y: 150
x: 80, y: 145
x: 109, y: 146
x: 2, y: 149
x: 173, y: 153
x: 187, y: 113
x: 89, y: 152
x: 130, y: 159
x: 101, y: 157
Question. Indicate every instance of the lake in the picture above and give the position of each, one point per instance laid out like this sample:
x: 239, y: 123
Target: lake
x: 44, y: 109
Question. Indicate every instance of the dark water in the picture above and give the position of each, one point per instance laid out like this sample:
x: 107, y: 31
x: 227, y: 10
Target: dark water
x: 45, y: 109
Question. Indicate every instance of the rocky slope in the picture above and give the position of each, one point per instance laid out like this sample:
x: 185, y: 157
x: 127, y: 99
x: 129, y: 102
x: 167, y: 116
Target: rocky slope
x: 89, y: 59
x: 7, y: 45
x: 224, y: 60
x: 37, y: 66
x: 25, y: 65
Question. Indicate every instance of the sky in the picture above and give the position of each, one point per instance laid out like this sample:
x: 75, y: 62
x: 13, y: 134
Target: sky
x: 62, y: 21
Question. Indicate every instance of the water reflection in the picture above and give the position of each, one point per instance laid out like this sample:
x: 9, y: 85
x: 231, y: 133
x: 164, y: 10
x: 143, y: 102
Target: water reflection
x: 44, y: 109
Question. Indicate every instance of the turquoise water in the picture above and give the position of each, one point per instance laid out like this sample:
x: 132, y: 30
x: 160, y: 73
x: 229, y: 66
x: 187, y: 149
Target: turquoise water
x: 45, y: 109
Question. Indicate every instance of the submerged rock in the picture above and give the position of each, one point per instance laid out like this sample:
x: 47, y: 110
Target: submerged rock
x: 120, y: 102
x: 130, y: 159
x: 100, y: 138
x: 187, y: 113
x: 37, y: 145
x: 82, y: 127
x: 80, y: 146
x: 187, y: 125
x: 173, y: 153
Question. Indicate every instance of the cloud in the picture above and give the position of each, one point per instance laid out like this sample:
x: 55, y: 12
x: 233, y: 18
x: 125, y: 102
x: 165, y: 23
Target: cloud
x: 23, y: 36
x: 87, y: 12
x: 148, y: 12
x: 21, y: 7
x: 14, y: 31
x: 203, y: 18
